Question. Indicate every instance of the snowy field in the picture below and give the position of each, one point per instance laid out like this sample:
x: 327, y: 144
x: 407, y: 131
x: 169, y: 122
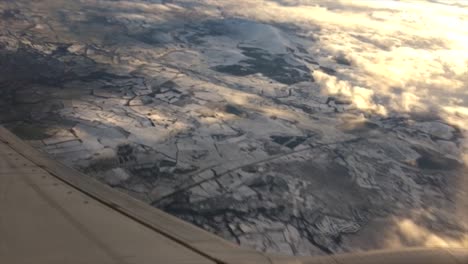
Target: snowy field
x: 304, y: 127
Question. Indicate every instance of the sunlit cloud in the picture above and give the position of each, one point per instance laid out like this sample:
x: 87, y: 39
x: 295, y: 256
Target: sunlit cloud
x: 415, y: 47
x: 408, y: 232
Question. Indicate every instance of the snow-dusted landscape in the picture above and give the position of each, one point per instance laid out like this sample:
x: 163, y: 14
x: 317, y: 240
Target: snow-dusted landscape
x: 302, y: 127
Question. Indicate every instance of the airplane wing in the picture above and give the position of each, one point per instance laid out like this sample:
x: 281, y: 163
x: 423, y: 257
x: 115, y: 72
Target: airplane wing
x: 52, y: 214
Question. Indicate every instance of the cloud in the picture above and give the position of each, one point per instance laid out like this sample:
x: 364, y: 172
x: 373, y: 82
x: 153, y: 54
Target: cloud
x: 408, y: 232
x: 406, y: 55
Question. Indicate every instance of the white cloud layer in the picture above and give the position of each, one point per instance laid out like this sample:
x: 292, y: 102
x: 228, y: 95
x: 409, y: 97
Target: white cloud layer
x: 407, y: 56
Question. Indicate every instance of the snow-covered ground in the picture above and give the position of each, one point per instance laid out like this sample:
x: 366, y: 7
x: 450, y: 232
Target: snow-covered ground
x: 294, y: 126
